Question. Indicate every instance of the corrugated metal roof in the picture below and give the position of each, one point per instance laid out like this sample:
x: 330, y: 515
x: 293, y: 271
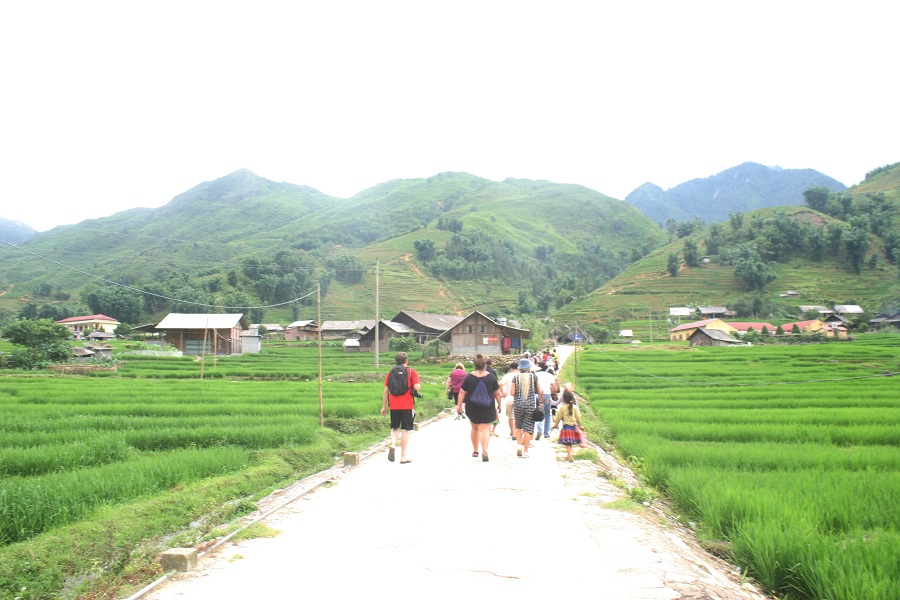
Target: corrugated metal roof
x: 88, y: 318
x: 716, y: 334
x: 693, y: 325
x: 199, y: 321
x: 340, y: 325
x: 301, y: 323
x: 433, y: 321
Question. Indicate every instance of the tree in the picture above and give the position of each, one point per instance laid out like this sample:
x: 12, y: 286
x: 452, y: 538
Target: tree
x: 674, y: 263
x: 39, y: 343
x: 691, y: 253
x: 124, y: 330
x: 425, y: 250
x: 751, y: 269
x: 795, y: 330
x: 817, y: 197
x: 856, y: 244
x: 117, y: 302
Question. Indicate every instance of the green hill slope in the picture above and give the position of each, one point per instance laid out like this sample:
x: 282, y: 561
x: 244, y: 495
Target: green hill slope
x: 244, y: 241
x: 828, y: 279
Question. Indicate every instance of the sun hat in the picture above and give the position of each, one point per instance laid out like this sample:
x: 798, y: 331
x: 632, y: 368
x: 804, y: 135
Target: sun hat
x: 524, y: 364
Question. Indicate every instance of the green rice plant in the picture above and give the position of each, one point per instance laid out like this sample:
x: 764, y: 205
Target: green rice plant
x: 30, y: 506
x: 789, y: 455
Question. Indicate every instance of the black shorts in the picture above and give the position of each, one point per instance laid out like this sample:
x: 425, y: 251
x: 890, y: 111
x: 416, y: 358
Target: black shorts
x: 402, y: 419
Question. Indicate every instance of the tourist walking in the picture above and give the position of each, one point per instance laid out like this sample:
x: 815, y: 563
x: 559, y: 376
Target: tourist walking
x: 402, y: 404
x: 525, y: 390
x: 454, y: 382
x: 547, y: 381
x: 507, y: 403
x: 480, y: 393
x: 572, y: 428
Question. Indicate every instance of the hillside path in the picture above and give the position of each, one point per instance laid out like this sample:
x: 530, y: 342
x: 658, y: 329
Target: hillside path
x: 449, y: 525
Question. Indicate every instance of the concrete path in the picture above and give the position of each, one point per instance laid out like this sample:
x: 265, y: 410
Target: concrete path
x: 450, y: 525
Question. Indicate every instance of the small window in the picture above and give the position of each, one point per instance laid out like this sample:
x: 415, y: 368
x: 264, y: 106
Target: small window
x: 482, y: 329
x: 471, y: 329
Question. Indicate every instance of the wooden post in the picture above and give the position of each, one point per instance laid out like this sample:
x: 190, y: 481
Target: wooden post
x: 319, y: 321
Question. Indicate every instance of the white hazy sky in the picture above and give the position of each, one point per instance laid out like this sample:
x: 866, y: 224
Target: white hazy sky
x: 109, y: 105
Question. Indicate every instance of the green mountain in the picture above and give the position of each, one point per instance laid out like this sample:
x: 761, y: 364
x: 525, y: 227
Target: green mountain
x: 743, y: 188
x: 15, y: 231
x: 843, y: 248
x: 449, y: 243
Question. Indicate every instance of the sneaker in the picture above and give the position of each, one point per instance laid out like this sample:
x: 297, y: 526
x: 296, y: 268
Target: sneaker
x: 525, y: 455
x: 519, y: 451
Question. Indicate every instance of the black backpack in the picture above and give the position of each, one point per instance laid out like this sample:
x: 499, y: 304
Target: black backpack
x: 398, y: 380
x: 480, y: 395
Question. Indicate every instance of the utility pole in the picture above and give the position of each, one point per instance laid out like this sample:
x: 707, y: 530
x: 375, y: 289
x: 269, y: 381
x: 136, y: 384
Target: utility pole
x: 650, y: 313
x: 319, y: 321
x: 377, y: 263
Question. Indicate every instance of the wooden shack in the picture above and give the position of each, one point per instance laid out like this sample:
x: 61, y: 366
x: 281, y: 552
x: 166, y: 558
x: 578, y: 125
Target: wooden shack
x: 478, y: 333
x: 188, y: 332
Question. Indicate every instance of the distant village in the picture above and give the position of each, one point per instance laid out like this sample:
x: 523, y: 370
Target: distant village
x: 224, y: 334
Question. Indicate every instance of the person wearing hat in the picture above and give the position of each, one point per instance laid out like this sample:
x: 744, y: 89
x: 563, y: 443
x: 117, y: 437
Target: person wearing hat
x: 547, y: 380
x: 506, y: 388
x: 525, y: 389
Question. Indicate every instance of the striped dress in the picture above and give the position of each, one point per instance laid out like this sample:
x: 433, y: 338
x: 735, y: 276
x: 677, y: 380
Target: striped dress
x: 525, y: 402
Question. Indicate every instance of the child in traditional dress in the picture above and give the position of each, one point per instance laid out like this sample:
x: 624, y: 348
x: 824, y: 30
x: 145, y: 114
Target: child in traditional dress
x: 570, y: 415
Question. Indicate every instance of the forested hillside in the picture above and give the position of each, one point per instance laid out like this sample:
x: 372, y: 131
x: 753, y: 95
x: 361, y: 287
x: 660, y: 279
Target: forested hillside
x: 843, y: 248
x: 448, y: 243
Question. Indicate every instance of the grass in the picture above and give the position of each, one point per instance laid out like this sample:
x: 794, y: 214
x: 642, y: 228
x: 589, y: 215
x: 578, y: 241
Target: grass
x: 101, y: 473
x: 787, y: 456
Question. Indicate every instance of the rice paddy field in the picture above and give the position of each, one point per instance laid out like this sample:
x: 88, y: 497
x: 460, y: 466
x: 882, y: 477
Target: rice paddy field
x: 787, y: 457
x: 99, y: 473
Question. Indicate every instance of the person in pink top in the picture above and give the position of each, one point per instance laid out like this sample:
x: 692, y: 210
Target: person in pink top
x: 454, y: 383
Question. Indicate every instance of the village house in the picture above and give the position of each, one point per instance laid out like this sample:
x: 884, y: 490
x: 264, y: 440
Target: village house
x: 711, y: 337
x: 301, y: 331
x: 817, y: 308
x: 684, y: 332
x: 883, y: 320
x: 426, y: 326
x: 203, y: 333
x: 84, y: 326
x: 836, y: 320
x: 712, y: 312
x: 848, y: 309
x: 338, y: 330
x: 813, y: 326
x: 743, y: 328
x: 386, y: 331
x: 478, y: 333
x: 251, y: 341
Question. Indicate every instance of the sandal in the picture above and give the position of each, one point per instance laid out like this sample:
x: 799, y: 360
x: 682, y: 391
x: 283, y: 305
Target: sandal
x: 484, y: 457
x: 474, y: 455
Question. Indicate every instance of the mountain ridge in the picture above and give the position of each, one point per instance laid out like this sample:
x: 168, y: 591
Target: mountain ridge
x: 742, y: 188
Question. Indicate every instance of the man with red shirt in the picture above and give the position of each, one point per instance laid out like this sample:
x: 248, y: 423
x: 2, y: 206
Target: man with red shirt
x: 401, y: 408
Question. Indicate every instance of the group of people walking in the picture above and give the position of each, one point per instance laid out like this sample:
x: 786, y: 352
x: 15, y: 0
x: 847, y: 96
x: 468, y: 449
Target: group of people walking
x: 527, y: 394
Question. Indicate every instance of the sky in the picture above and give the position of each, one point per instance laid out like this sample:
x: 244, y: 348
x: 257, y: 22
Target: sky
x: 110, y: 105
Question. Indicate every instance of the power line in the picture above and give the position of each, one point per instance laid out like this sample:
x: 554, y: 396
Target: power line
x: 140, y: 291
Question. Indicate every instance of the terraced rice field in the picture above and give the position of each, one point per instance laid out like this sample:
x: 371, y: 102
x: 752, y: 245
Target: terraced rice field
x: 790, y: 455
